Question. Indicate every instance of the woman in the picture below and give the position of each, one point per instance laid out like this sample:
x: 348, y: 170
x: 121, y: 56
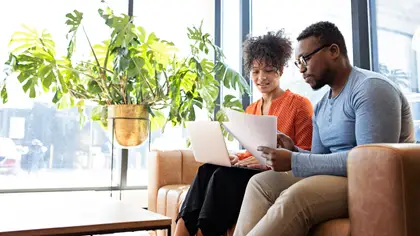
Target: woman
x: 212, y: 204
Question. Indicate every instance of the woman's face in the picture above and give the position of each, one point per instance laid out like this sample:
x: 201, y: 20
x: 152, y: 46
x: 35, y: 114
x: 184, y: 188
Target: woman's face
x: 265, y: 77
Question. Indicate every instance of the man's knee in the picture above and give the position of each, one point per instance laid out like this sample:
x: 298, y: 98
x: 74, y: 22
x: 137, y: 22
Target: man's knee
x: 314, y: 196
x: 317, y: 189
x: 255, y: 181
x: 258, y: 186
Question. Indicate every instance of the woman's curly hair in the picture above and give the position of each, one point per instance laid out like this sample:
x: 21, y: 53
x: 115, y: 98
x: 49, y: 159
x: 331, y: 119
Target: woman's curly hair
x: 273, y: 49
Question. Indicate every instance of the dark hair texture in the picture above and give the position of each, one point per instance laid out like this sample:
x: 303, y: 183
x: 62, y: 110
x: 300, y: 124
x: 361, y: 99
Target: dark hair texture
x: 273, y: 49
x: 327, y: 33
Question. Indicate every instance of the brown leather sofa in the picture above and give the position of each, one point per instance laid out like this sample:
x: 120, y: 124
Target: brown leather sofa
x: 384, y: 189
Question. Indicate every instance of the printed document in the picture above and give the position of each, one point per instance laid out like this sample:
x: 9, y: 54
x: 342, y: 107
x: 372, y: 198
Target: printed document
x: 252, y: 131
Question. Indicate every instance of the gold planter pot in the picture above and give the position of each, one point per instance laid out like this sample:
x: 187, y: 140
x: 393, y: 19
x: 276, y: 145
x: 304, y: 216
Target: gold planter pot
x: 131, y: 127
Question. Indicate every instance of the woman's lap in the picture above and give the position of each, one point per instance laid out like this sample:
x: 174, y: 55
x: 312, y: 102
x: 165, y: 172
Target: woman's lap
x: 214, y: 199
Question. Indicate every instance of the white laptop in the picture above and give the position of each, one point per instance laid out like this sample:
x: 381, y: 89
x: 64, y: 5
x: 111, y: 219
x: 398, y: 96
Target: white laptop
x: 208, y: 143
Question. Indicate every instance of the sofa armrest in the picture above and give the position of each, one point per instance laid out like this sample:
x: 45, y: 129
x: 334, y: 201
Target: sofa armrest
x: 177, y: 167
x: 384, y: 190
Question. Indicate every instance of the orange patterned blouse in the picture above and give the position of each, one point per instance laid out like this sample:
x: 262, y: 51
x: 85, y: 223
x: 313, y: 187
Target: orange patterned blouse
x: 294, y: 118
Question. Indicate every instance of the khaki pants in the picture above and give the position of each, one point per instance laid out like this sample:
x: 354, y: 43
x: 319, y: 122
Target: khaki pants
x: 277, y: 203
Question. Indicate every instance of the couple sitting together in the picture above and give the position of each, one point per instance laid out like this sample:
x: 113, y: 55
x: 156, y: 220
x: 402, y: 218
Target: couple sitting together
x: 304, y: 182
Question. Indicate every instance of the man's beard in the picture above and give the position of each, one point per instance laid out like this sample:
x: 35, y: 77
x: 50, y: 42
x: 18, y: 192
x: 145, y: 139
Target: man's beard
x: 325, y: 78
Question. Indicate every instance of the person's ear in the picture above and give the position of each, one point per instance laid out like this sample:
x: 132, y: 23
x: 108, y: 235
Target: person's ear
x: 334, y: 51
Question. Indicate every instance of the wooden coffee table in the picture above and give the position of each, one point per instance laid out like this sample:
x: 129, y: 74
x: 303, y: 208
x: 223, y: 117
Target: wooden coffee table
x: 78, y: 218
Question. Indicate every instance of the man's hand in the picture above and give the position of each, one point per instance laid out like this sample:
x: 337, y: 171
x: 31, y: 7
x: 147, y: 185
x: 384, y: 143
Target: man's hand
x: 284, y: 141
x: 278, y: 159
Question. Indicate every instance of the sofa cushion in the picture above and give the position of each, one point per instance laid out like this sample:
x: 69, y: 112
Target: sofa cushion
x: 336, y: 227
x: 170, y: 198
x: 169, y: 201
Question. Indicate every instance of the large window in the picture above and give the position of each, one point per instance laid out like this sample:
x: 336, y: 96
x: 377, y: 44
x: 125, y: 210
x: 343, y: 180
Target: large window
x: 294, y: 16
x: 394, y: 47
x: 231, y: 44
x: 71, y: 156
x: 170, y: 23
x: 42, y: 147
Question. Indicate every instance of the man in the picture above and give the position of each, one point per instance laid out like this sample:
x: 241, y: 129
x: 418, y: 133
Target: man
x: 361, y: 107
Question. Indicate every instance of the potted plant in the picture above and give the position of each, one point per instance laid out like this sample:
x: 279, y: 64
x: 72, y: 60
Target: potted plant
x: 130, y: 75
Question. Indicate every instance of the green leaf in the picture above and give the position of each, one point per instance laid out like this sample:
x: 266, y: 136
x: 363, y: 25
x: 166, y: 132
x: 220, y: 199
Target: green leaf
x: 93, y: 87
x: 158, y: 120
x: 96, y: 114
x: 152, y: 38
x: 141, y: 34
x: 191, y: 114
x: 4, y: 94
x: 27, y: 85
x: 80, y: 105
x: 47, y: 81
x: 135, y: 66
x: 32, y: 93
x: 23, y: 77
x: 58, y: 95
x: 65, y: 102
x: 198, y: 101
x: 73, y: 20
x: 232, y: 102
x: 221, y: 116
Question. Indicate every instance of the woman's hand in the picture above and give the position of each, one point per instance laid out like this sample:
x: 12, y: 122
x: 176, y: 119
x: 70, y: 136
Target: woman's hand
x: 233, y: 159
x: 252, y: 162
x: 248, y: 161
x: 284, y: 141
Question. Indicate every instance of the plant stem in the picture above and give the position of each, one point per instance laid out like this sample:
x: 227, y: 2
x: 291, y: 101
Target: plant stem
x: 166, y: 83
x: 103, y: 73
x: 105, y: 69
x: 75, y: 70
x: 141, y: 74
x: 91, y: 48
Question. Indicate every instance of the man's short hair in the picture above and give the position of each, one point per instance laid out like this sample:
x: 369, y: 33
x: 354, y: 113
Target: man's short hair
x: 327, y: 33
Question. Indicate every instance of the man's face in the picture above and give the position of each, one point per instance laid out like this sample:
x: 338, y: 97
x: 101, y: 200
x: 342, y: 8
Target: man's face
x: 313, y: 62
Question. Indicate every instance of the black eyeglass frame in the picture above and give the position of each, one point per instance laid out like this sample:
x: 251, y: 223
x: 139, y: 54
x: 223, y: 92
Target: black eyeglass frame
x: 303, y: 60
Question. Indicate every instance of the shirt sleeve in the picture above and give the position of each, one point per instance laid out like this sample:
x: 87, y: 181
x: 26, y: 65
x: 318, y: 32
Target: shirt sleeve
x: 377, y: 108
x: 309, y: 164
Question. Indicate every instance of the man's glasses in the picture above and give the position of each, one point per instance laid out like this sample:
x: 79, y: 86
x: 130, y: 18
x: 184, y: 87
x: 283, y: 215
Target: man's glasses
x: 303, y: 60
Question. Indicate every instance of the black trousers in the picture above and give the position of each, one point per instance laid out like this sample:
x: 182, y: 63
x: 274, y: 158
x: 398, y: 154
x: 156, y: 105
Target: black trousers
x: 214, y: 199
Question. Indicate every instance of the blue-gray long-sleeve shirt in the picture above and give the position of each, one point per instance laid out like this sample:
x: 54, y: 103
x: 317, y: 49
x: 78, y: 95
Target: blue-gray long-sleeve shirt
x: 369, y: 109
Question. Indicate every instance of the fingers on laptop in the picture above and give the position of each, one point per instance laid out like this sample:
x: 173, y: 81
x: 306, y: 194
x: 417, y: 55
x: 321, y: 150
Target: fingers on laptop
x: 248, y: 161
x: 233, y: 159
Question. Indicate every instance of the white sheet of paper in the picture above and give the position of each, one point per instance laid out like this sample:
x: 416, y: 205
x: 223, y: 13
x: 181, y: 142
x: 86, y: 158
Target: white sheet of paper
x: 252, y: 131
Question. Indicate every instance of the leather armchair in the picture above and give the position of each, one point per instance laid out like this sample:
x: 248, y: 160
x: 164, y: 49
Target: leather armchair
x: 384, y: 189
